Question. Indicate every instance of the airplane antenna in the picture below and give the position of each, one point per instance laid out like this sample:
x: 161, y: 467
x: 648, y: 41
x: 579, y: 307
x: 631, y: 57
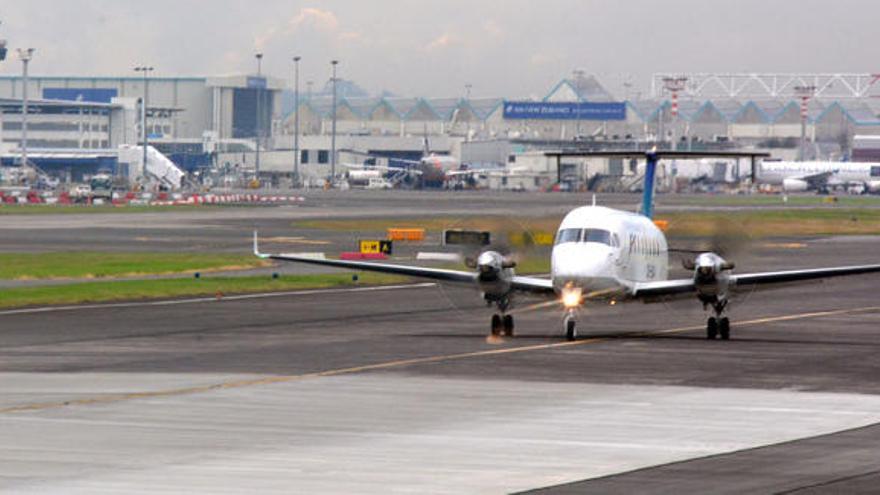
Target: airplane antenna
x: 594, y: 199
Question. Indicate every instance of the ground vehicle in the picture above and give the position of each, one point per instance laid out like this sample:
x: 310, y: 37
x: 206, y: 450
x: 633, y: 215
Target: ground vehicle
x: 101, y: 187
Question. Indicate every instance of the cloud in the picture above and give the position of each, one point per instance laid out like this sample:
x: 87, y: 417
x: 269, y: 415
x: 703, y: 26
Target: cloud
x: 322, y: 20
x: 442, y: 41
x: 350, y: 36
x: 545, y: 58
x: 261, y: 40
x: 493, y: 29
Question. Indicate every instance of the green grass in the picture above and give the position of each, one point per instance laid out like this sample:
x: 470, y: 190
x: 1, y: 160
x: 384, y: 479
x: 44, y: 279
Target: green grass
x: 845, y: 218
x: 770, y: 200
x: 776, y: 223
x: 128, y: 290
x: 105, y: 264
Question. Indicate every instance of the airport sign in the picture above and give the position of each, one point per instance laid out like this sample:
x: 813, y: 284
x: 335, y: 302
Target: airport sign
x: 554, y: 110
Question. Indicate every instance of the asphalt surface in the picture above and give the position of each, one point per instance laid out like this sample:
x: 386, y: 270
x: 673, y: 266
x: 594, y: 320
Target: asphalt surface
x: 399, y: 390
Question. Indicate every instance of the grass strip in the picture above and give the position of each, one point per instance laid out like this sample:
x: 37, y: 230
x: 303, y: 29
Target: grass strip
x: 134, y: 290
x: 832, y: 220
x: 63, y: 265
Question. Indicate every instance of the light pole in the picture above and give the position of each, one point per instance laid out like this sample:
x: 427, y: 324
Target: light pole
x: 25, y: 54
x: 334, y: 63
x: 804, y: 93
x: 296, y: 60
x: 145, y: 70
x: 259, y: 128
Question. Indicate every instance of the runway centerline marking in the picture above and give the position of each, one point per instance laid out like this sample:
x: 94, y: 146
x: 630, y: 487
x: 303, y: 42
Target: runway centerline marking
x: 400, y: 363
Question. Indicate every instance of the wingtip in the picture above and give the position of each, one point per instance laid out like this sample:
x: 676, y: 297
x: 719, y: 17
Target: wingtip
x: 257, y: 252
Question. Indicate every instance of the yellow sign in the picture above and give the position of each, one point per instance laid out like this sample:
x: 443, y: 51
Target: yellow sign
x: 375, y: 247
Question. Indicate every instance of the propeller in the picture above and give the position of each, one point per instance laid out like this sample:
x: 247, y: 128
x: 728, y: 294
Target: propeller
x: 726, y: 238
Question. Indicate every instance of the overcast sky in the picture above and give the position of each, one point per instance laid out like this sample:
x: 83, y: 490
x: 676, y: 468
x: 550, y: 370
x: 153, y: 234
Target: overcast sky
x: 433, y: 48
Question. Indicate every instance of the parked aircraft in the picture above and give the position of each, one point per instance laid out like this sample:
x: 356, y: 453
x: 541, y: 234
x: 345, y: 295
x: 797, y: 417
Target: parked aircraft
x: 819, y: 176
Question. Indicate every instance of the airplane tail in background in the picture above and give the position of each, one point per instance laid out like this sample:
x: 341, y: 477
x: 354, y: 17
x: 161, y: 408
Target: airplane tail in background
x: 650, y: 182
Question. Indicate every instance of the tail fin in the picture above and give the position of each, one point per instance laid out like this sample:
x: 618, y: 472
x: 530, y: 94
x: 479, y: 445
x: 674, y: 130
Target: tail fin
x: 650, y: 173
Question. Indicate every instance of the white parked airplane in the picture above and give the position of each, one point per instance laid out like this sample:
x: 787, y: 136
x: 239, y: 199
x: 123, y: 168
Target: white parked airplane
x: 803, y: 176
x: 601, y: 253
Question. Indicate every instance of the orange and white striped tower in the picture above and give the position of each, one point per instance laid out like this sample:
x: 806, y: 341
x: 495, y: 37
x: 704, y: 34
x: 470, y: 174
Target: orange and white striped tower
x: 804, y: 93
x: 673, y: 85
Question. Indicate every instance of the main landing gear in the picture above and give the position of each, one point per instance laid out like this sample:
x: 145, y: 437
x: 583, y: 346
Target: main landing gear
x: 718, y: 326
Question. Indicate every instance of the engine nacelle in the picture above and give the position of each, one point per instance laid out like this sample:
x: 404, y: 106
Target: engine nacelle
x: 794, y: 185
x: 711, y: 277
x: 873, y: 186
x: 494, y: 273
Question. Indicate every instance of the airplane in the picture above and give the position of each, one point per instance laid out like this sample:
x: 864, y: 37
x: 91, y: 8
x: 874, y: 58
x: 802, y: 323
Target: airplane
x: 604, y: 254
x: 819, y: 176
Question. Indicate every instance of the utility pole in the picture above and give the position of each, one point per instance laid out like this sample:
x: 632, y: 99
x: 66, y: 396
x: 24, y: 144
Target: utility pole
x: 25, y: 54
x: 296, y: 60
x: 804, y: 93
x: 258, y: 128
x: 333, y: 63
x: 145, y: 70
x: 674, y: 85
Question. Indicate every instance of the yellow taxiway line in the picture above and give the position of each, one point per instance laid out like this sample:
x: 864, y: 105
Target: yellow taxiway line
x: 401, y: 363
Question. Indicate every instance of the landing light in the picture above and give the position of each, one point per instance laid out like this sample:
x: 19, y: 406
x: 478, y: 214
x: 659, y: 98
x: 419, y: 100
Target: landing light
x: 571, y: 297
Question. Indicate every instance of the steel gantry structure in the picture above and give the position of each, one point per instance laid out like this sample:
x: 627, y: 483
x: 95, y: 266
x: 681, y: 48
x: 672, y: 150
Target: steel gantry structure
x: 770, y: 85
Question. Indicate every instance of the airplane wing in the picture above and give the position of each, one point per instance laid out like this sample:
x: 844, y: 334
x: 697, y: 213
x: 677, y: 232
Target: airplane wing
x: 667, y: 288
x: 799, y: 275
x: 533, y: 284
x: 520, y: 283
x: 816, y: 180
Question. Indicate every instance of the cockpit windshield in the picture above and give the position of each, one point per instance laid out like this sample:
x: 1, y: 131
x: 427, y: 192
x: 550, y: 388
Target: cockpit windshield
x: 583, y: 235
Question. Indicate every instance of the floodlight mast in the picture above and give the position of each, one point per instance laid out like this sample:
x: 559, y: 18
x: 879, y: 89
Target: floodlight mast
x: 258, y: 128
x: 333, y: 63
x: 296, y: 181
x: 25, y: 54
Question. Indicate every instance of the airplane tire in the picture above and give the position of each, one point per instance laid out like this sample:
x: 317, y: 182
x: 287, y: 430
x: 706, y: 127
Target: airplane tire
x: 712, y: 328
x: 508, y: 325
x: 570, y: 330
x: 496, y: 325
x: 724, y: 328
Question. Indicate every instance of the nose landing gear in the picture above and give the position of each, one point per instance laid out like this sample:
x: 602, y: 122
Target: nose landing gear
x: 502, y: 324
x: 569, y: 325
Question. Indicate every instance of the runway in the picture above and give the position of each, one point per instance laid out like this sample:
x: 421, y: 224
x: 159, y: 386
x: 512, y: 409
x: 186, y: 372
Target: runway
x: 399, y: 390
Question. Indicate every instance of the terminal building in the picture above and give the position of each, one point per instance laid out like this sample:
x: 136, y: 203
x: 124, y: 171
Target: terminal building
x: 219, y: 122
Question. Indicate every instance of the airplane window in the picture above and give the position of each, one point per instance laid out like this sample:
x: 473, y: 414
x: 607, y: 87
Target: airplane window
x: 875, y: 171
x: 568, y: 235
x: 597, y: 235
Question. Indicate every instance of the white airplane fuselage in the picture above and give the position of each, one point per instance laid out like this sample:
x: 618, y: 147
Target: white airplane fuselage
x: 599, y: 248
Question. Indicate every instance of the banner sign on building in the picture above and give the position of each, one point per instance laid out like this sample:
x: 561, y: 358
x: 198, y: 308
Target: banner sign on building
x: 90, y: 95
x: 256, y: 82
x: 554, y: 110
